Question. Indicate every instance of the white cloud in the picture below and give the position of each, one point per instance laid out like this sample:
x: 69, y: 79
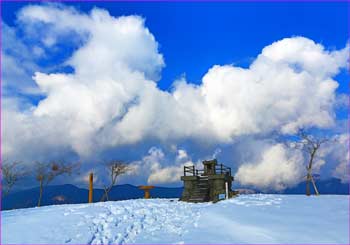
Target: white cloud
x: 339, y: 151
x: 279, y: 167
x: 342, y: 101
x: 169, y: 174
x: 272, y: 94
x: 111, y: 71
x: 162, y: 169
x: 111, y: 44
x: 165, y: 175
x: 342, y: 171
x: 216, y: 153
x: 28, y: 138
x: 303, y: 54
x: 182, y: 154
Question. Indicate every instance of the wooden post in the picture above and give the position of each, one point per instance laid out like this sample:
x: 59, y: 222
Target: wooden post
x: 146, y: 189
x: 147, y: 195
x: 91, y: 180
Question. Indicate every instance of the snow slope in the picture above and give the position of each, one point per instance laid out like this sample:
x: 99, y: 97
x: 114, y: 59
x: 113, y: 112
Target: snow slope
x: 245, y: 219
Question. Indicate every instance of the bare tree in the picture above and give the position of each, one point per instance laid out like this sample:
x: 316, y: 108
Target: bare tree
x: 310, y: 144
x: 11, y: 174
x: 115, y: 169
x: 47, y: 172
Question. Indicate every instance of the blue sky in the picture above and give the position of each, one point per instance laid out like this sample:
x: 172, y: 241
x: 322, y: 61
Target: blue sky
x: 192, y: 38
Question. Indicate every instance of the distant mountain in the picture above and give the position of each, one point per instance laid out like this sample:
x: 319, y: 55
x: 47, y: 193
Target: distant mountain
x: 66, y: 194
x: 331, y: 186
x: 327, y: 186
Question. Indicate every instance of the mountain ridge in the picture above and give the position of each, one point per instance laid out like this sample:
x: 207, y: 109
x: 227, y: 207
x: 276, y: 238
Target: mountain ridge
x: 70, y: 194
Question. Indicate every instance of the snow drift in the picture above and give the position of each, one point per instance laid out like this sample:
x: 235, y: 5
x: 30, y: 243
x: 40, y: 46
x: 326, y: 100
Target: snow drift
x: 245, y: 219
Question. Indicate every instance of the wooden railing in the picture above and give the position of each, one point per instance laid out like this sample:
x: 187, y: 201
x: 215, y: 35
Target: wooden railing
x: 219, y: 169
x: 190, y: 170
x: 222, y: 169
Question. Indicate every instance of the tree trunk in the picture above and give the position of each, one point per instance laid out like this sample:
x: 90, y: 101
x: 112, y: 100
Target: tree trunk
x: 40, y: 193
x: 314, y: 185
x: 308, y: 184
x: 105, y: 195
x: 308, y: 176
x: 8, y: 189
x: 6, y: 193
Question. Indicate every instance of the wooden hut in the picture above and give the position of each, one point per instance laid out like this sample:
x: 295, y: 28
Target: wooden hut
x: 212, y: 183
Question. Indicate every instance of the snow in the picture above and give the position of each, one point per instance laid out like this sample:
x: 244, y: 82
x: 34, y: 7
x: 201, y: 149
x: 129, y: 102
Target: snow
x: 245, y: 219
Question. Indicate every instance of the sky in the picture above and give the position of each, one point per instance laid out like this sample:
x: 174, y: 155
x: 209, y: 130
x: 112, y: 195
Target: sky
x: 163, y: 85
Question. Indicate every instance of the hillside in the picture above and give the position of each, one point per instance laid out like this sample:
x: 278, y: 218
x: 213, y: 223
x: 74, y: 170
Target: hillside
x: 255, y: 218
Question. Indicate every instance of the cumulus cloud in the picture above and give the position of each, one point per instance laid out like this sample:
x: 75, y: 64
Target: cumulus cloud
x: 111, y: 70
x: 161, y: 169
x: 111, y: 44
x: 342, y: 171
x: 111, y: 97
x: 280, y: 91
x: 165, y: 175
x: 279, y: 168
x: 339, y: 151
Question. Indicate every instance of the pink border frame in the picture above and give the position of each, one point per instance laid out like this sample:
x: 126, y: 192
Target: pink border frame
x: 261, y: 1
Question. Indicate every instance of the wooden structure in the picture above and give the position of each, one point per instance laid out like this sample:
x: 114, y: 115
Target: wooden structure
x: 91, y: 188
x: 212, y: 183
x: 146, y: 188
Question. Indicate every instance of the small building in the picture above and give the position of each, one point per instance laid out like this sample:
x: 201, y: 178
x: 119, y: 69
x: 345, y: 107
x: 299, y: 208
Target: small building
x: 212, y: 183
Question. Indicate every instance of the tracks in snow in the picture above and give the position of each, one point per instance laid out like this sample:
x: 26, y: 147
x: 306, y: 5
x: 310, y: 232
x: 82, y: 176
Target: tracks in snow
x: 122, y: 223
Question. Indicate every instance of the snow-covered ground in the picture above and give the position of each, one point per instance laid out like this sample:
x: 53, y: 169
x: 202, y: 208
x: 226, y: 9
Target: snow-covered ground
x: 245, y: 219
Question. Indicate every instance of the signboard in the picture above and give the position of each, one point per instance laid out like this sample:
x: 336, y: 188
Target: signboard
x: 222, y: 196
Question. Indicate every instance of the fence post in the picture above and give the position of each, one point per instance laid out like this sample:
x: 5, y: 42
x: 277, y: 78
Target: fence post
x: 91, y: 180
